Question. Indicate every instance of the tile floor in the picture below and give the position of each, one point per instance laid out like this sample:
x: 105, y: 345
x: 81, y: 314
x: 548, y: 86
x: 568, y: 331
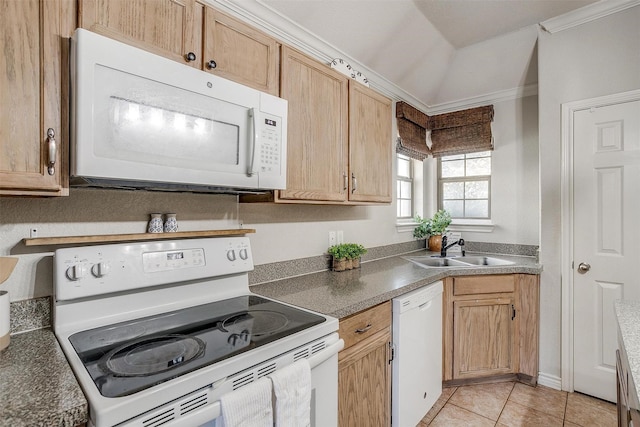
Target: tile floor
x: 516, y: 404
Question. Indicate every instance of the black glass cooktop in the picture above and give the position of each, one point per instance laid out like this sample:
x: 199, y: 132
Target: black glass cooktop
x: 127, y: 357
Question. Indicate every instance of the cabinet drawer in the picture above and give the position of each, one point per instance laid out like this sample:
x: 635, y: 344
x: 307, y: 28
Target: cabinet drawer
x: 489, y: 284
x: 362, y: 325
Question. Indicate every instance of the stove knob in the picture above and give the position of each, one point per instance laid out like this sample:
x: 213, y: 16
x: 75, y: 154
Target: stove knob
x: 76, y: 272
x: 231, y: 255
x: 233, y: 339
x: 244, y: 254
x: 100, y: 269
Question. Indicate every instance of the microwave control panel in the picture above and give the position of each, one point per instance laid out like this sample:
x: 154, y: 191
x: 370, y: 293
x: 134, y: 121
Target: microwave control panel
x: 269, y: 153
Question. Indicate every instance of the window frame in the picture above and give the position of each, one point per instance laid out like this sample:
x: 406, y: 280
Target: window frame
x: 409, y: 179
x: 464, y: 179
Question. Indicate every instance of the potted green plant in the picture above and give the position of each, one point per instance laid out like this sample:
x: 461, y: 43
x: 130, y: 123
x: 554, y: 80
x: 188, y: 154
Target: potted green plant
x: 346, y: 256
x: 432, y: 228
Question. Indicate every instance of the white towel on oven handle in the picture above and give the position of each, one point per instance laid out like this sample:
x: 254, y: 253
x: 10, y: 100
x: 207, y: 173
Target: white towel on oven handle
x: 248, y: 406
x: 292, y: 390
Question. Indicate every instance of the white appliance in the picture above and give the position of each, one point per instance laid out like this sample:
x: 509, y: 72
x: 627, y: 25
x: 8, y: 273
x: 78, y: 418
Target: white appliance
x: 143, y: 121
x: 157, y: 332
x: 417, y: 365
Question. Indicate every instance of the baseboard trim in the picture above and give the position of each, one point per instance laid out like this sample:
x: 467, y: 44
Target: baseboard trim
x: 550, y: 381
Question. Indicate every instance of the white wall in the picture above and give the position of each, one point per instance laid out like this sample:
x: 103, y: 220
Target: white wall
x: 595, y: 59
x: 515, y: 213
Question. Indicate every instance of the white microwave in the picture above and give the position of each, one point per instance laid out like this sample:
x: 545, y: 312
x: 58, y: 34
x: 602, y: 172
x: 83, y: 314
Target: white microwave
x: 139, y: 120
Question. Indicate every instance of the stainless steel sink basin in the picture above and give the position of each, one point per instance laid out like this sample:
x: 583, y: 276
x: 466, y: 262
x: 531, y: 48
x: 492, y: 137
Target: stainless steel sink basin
x: 471, y: 261
x: 431, y: 262
x: 485, y: 260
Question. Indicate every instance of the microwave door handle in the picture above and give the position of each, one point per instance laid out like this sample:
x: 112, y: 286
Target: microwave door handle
x: 253, y: 137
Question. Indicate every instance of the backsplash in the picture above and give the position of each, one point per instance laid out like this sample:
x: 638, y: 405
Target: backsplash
x: 30, y: 314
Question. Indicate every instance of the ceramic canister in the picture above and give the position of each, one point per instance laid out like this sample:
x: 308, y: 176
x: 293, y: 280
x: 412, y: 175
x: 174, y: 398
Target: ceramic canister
x: 5, y: 324
x: 155, y: 223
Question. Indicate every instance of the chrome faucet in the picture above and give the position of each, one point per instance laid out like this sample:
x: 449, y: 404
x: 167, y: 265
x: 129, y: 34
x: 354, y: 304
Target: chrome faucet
x: 444, y: 247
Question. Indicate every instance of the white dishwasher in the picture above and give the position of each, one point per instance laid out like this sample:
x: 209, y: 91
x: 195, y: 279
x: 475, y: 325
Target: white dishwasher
x: 417, y: 363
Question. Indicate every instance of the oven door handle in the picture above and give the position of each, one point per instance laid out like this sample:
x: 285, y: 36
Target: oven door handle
x: 214, y: 410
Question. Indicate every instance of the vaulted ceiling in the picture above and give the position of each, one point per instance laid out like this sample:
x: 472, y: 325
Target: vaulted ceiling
x: 437, y: 51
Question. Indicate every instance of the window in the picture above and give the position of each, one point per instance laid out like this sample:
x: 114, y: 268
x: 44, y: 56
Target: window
x: 465, y: 185
x: 404, y: 182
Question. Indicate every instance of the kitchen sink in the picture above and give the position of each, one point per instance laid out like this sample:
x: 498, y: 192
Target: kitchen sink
x: 458, y: 262
x: 485, y: 260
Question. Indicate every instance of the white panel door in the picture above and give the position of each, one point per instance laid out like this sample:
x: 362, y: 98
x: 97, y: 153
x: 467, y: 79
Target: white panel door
x: 606, y: 244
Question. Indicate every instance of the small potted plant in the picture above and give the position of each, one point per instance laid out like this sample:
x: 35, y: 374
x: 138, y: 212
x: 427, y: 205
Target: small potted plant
x: 432, y: 228
x: 346, y: 256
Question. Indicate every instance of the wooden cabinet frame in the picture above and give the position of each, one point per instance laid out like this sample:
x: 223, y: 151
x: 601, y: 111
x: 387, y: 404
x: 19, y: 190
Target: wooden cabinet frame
x: 520, y: 291
x: 364, y: 371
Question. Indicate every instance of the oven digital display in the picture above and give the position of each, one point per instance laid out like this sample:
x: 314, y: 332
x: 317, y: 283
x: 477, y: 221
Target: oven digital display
x: 173, y: 260
x: 270, y: 122
x: 175, y: 255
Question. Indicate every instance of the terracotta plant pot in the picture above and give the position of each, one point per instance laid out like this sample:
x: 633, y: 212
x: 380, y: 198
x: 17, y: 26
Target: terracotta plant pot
x: 435, y: 243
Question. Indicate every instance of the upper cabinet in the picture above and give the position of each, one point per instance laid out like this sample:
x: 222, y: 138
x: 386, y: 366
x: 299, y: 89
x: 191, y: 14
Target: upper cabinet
x: 317, y: 129
x: 170, y: 28
x: 370, y: 148
x: 34, y: 119
x: 339, y: 136
x: 188, y: 32
x: 238, y: 52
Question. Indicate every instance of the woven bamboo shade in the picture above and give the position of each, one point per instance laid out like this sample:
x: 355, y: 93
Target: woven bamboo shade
x: 412, y: 128
x: 461, y: 132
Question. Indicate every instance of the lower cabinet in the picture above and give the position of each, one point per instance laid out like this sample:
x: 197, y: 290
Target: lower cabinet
x: 490, y: 328
x: 364, y: 371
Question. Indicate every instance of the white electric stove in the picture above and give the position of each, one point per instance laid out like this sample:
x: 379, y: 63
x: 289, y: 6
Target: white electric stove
x: 156, y: 332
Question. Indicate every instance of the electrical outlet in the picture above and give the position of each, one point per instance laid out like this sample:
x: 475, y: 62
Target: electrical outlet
x: 340, y: 237
x: 332, y: 238
x: 33, y: 233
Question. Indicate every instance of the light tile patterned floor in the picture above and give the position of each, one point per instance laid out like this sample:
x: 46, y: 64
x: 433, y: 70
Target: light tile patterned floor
x: 515, y: 404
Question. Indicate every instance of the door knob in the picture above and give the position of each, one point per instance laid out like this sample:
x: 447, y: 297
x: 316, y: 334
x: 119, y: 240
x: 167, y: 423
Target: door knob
x: 583, y: 267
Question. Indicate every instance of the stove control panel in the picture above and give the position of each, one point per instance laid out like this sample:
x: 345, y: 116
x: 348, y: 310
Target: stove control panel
x: 95, y: 270
x: 172, y: 260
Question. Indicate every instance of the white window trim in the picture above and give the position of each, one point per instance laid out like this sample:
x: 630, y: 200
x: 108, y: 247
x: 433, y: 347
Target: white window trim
x: 472, y: 225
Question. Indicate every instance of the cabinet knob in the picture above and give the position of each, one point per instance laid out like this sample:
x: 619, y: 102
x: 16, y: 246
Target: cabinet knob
x: 211, y: 64
x: 190, y: 57
x: 52, y: 149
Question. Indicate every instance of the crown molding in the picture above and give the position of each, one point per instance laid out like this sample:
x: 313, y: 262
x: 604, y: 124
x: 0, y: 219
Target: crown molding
x: 480, y: 100
x: 586, y: 14
x: 277, y: 25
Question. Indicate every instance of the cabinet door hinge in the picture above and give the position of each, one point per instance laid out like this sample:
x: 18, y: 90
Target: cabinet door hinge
x: 392, y: 352
x: 513, y: 312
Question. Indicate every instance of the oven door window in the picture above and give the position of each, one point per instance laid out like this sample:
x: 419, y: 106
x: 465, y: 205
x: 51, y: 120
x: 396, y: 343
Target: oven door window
x: 140, y: 120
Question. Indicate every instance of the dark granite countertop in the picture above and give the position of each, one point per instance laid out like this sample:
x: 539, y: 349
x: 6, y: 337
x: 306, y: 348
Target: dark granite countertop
x: 37, y: 386
x: 628, y: 317
x: 341, y: 294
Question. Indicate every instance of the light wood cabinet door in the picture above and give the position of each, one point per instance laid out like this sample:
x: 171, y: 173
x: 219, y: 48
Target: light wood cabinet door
x: 171, y: 28
x: 317, y: 129
x: 238, y: 52
x: 484, y: 338
x: 31, y: 97
x: 364, y: 383
x: 370, y: 145
x: 490, y: 328
x: 528, y: 315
